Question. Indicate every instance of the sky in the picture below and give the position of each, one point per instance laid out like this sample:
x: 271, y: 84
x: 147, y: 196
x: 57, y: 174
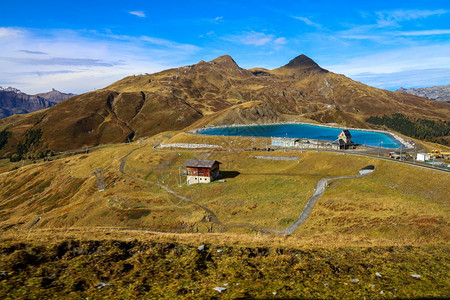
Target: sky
x: 80, y: 46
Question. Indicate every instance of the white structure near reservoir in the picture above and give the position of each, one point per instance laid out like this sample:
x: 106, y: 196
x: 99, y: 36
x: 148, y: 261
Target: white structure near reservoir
x: 285, y: 142
x: 423, y: 157
x: 344, y: 141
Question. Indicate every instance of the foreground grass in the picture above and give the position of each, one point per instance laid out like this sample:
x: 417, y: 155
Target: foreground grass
x: 160, y: 268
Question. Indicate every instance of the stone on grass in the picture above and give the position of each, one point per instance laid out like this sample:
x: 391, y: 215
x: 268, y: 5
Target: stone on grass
x: 354, y: 280
x: 415, y: 275
x: 274, y: 293
x: 201, y: 247
x: 103, y: 284
x: 378, y: 274
x: 219, y: 289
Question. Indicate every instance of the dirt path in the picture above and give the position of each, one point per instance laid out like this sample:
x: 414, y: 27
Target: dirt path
x: 319, y: 190
x: 212, y: 217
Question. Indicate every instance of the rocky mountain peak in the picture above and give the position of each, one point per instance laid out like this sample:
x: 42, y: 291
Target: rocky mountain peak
x: 225, y: 60
x: 303, y: 62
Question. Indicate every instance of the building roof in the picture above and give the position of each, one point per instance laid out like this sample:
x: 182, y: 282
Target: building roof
x: 339, y: 142
x: 284, y: 139
x: 347, y: 133
x: 200, y: 163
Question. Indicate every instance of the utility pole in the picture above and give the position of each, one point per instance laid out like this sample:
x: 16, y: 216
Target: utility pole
x: 99, y: 178
x: 179, y: 174
x: 415, y: 152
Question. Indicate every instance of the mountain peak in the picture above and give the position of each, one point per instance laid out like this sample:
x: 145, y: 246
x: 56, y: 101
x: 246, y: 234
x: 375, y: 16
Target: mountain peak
x: 303, y: 62
x: 225, y: 60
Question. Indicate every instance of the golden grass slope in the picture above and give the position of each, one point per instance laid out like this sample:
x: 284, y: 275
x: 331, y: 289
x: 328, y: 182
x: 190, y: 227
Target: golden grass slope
x: 396, y: 204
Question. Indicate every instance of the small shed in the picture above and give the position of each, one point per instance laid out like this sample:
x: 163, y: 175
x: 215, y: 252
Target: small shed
x: 201, y: 170
x: 285, y: 142
x: 423, y: 156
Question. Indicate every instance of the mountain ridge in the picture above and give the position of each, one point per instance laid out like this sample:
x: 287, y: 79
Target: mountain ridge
x: 14, y: 101
x: 218, y: 92
x: 437, y: 93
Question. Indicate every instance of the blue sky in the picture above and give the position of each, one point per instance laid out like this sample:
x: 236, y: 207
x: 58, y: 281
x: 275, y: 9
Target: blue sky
x: 79, y: 46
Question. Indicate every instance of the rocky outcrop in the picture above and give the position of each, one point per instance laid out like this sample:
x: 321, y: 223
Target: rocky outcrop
x: 437, y: 93
x: 13, y: 101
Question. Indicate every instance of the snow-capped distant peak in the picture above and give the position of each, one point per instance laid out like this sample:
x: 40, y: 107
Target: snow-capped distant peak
x: 10, y: 89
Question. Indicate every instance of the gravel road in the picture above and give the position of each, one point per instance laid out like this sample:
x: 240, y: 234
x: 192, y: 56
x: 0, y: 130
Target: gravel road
x: 319, y: 190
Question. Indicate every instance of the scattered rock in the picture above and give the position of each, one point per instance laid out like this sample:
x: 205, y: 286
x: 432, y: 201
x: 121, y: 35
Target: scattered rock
x: 274, y: 293
x: 225, y: 284
x: 103, y: 284
x: 415, y: 275
x: 219, y: 251
x: 381, y: 293
x: 354, y: 280
x: 373, y: 285
x: 219, y: 289
x: 201, y: 247
x: 326, y: 284
x: 3, y: 273
x: 378, y: 274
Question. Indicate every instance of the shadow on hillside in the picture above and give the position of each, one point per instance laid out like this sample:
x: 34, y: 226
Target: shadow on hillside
x: 228, y: 174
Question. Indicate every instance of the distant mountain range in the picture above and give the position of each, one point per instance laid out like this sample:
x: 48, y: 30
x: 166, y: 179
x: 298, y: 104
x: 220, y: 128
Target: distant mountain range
x: 437, y: 93
x: 13, y: 101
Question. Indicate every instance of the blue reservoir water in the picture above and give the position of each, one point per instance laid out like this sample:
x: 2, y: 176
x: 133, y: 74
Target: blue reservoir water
x: 369, y: 138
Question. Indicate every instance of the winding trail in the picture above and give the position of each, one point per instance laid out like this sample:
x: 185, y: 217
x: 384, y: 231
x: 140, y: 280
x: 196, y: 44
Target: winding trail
x: 212, y: 217
x: 318, y: 191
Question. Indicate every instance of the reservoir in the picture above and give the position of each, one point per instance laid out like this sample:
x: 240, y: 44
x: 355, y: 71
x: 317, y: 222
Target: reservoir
x: 306, y: 131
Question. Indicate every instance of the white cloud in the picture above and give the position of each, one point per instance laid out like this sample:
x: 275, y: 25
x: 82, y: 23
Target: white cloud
x: 406, y: 79
x: 307, y: 21
x: 424, y: 32
x: 407, y: 15
x: 7, y: 33
x: 138, y: 13
x: 280, y: 41
x: 257, y: 39
x: 381, y: 69
x: 79, y: 61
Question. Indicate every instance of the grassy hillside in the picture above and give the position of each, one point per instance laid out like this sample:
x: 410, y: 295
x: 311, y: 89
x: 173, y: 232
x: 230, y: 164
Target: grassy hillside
x: 143, y: 242
x: 385, y: 207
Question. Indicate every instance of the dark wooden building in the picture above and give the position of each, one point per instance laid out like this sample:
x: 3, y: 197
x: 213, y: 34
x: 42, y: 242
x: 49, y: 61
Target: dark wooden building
x: 201, y: 170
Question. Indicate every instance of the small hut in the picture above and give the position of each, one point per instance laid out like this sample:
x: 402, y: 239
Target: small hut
x: 201, y: 170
